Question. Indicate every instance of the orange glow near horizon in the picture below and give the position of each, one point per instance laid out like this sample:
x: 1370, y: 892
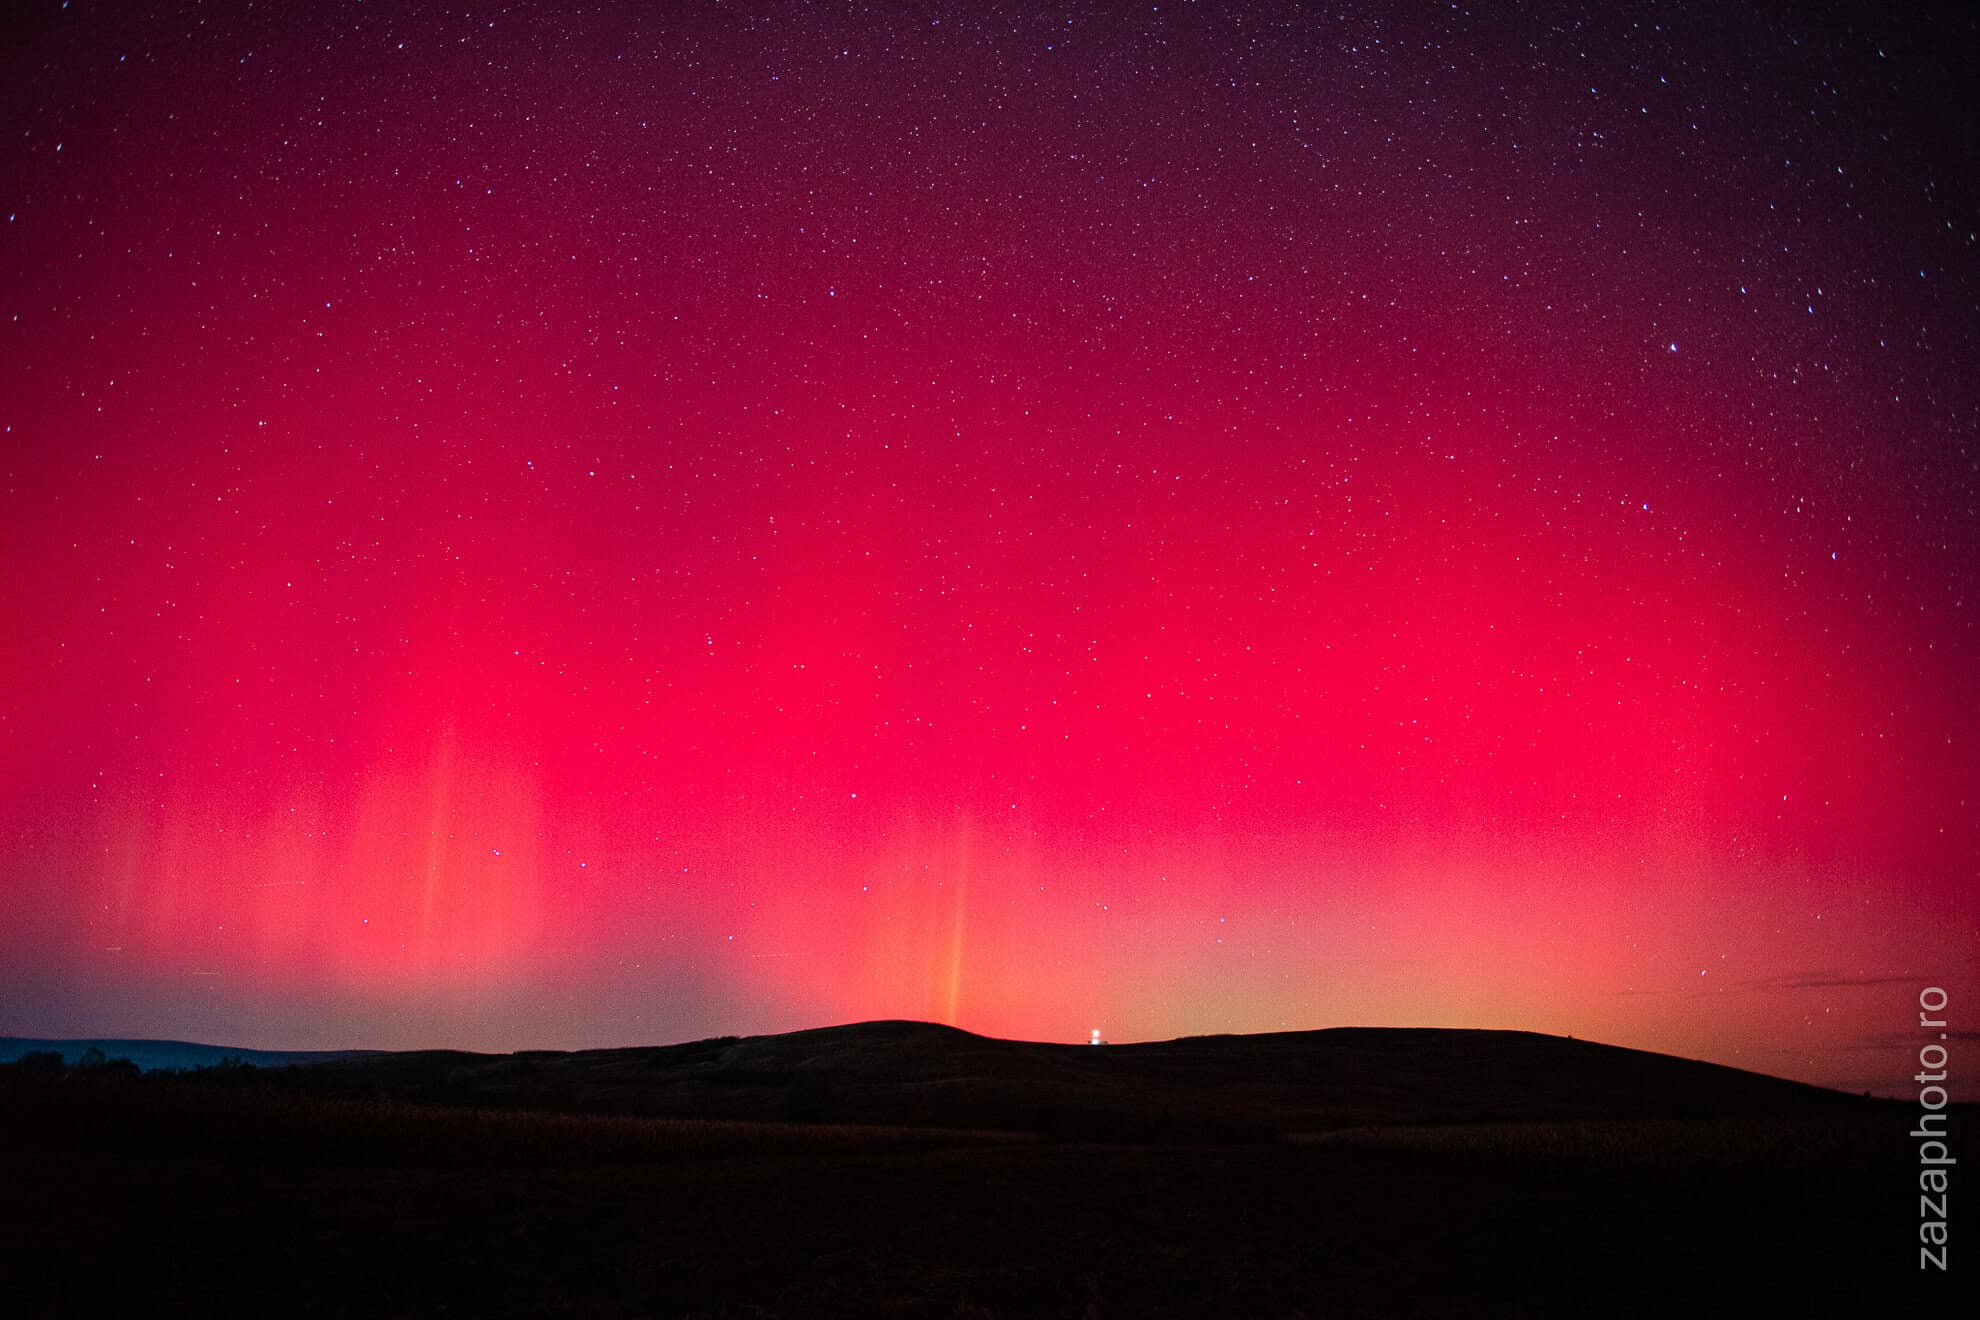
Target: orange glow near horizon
x: 631, y: 529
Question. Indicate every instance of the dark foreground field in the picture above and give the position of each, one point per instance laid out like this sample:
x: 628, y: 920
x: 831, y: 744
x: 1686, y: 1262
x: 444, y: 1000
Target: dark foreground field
x: 235, y: 1195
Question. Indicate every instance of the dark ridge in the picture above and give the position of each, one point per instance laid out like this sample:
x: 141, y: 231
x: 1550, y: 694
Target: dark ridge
x: 1203, y: 1088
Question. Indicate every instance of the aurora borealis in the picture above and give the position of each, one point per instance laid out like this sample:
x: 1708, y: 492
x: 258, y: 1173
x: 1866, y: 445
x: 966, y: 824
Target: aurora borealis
x: 532, y: 525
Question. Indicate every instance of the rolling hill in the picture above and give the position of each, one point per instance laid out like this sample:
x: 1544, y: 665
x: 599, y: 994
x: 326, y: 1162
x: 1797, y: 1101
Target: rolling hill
x: 1211, y: 1087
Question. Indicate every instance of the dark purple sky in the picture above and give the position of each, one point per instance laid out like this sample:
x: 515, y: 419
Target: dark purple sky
x: 592, y: 524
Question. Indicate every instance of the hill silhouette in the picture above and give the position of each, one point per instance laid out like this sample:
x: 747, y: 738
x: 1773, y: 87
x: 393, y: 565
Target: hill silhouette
x: 1207, y: 1087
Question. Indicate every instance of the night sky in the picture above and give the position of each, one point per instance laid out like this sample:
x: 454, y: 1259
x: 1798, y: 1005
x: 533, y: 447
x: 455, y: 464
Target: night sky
x: 543, y: 525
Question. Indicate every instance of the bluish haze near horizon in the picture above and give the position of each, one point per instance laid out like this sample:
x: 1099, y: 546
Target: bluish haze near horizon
x: 542, y: 525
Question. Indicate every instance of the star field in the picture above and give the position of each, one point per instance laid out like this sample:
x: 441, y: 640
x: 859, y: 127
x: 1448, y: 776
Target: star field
x: 554, y: 525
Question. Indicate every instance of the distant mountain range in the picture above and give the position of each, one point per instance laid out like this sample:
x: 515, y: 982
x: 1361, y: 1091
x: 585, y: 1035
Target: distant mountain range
x: 158, y: 1055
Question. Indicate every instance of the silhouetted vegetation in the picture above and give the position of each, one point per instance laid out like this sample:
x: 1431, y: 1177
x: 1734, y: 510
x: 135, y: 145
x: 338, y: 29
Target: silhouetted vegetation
x: 41, y: 1063
x: 93, y: 1062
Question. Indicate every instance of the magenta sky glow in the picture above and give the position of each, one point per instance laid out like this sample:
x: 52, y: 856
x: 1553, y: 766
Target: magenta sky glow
x: 559, y: 525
